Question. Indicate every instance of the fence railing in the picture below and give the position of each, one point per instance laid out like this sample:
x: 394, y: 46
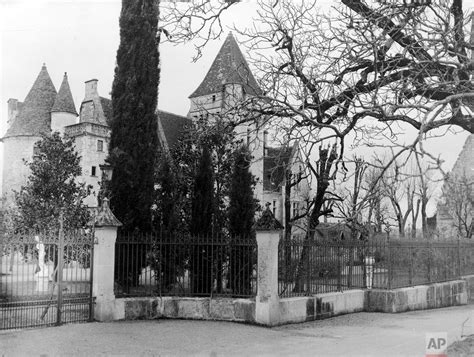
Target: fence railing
x: 164, y: 265
x: 308, y: 267
x: 39, y: 286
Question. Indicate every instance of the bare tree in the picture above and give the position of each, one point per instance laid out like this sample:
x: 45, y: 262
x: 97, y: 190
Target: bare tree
x: 198, y: 20
x: 321, y: 203
x: 377, y: 211
x: 363, y: 73
x: 424, y: 193
x: 458, y: 194
x: 398, y: 188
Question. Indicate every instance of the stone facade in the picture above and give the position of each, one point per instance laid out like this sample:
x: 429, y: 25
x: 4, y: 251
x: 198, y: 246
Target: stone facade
x: 55, y: 112
x: 91, y: 141
x: 228, y: 84
x: 16, y: 150
x: 463, y: 167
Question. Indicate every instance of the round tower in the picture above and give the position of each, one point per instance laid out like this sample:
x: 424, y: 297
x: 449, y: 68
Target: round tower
x: 32, y: 119
x: 63, y: 112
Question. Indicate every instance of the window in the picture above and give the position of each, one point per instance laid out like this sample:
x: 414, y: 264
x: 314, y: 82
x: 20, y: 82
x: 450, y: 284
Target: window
x: 295, y: 209
x: 93, y: 171
x: 274, y: 207
x: 100, y: 145
x: 213, y: 98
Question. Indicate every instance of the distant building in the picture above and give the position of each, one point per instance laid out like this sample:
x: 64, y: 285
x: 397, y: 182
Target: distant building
x: 228, y: 81
x: 464, y: 166
x: 45, y: 110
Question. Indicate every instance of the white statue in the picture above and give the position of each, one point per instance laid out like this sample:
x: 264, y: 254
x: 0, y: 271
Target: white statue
x: 42, y: 275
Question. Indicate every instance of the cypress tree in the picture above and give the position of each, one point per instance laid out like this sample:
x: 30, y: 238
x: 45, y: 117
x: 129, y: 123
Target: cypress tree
x: 202, y: 211
x: 203, y: 196
x: 241, y: 220
x: 241, y: 200
x: 133, y: 144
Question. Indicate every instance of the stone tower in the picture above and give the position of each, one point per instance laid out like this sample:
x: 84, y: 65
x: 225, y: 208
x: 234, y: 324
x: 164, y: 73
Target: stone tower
x: 228, y: 82
x: 63, y: 112
x: 26, y: 122
x: 91, y: 137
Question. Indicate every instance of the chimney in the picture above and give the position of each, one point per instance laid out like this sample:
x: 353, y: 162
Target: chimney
x: 12, y: 111
x: 91, y: 89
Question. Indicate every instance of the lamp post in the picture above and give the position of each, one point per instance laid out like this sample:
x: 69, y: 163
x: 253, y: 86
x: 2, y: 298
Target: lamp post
x: 107, y: 172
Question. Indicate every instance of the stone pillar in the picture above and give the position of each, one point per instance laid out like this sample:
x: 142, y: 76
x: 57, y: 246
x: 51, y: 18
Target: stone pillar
x: 104, y: 262
x: 267, y: 306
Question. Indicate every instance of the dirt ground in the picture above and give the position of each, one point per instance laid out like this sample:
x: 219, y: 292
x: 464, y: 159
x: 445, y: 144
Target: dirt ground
x: 362, y: 334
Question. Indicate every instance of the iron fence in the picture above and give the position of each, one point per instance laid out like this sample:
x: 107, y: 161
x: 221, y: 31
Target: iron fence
x: 308, y: 267
x: 41, y: 287
x: 167, y: 265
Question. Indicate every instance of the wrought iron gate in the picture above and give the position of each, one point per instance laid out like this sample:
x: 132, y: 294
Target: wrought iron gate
x: 39, y: 286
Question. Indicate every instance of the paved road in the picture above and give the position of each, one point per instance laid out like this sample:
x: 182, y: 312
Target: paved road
x: 362, y: 334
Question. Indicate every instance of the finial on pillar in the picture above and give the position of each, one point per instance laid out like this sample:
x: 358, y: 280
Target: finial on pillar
x: 105, y: 217
x: 268, y: 222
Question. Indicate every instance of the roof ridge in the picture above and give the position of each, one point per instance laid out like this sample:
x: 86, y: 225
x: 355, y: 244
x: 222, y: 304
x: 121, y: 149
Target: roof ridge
x: 465, y: 147
x: 64, y: 101
x: 167, y: 112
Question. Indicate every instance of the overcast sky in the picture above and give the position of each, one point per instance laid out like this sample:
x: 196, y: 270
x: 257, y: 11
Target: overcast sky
x: 81, y: 37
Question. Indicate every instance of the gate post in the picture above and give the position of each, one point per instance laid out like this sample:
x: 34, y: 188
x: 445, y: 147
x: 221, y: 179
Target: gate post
x: 267, y: 303
x: 106, y: 225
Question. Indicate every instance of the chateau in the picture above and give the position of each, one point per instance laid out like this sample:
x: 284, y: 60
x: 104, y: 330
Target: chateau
x: 228, y: 81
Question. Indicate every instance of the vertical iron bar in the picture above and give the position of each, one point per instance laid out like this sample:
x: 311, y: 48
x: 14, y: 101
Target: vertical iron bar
x: 91, y: 276
x: 410, y: 271
x: 390, y: 265
x: 459, y: 259
x: 60, y: 268
x: 429, y: 262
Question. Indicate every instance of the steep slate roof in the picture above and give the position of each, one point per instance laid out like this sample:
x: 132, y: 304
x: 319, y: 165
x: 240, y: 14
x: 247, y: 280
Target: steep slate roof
x: 172, y: 127
x: 229, y: 67
x: 34, y: 117
x: 107, y: 108
x: 64, y: 101
x: 274, y: 164
x: 96, y: 110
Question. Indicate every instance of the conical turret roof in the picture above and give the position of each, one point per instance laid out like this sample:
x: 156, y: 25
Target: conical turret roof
x: 229, y: 67
x: 35, y: 118
x: 64, y: 101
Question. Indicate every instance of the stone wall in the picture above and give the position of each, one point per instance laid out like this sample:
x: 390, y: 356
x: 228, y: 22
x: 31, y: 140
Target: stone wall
x: 223, y: 309
x: 421, y: 297
x: 469, y: 279
x: 15, y: 172
x: 322, y: 306
x: 59, y: 120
